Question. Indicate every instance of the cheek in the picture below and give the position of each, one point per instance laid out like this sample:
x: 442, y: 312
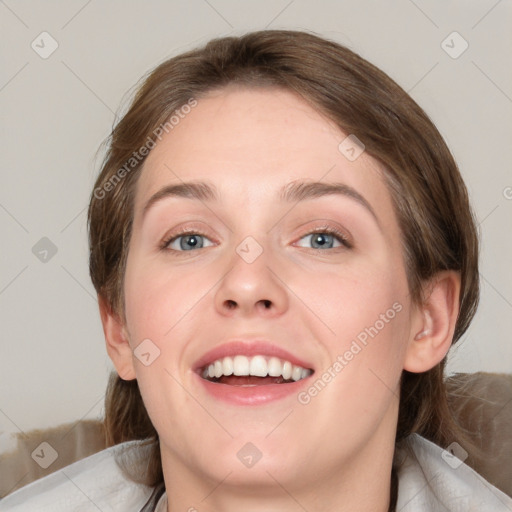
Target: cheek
x: 156, y: 298
x: 367, y: 314
x: 158, y: 307
x: 362, y: 320
x: 348, y: 302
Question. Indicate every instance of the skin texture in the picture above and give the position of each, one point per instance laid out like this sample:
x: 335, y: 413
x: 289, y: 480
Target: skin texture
x: 335, y: 452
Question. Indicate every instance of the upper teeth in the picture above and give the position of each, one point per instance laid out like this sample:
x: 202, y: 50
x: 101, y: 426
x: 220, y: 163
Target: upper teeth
x: 258, y: 366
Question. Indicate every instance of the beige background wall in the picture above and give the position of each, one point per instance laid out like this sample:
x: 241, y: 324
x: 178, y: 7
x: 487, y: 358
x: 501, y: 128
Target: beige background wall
x: 57, y: 110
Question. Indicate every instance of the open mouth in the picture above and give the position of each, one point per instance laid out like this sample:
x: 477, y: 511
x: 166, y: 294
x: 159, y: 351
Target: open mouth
x: 257, y: 370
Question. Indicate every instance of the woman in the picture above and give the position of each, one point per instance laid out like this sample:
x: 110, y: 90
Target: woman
x: 284, y: 252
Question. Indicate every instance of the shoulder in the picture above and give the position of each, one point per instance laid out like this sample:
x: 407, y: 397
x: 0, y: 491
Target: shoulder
x: 94, y: 483
x: 432, y: 479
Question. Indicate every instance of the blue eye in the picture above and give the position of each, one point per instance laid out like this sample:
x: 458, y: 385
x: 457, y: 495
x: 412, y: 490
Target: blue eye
x: 321, y: 239
x: 186, y: 242
x: 326, y: 239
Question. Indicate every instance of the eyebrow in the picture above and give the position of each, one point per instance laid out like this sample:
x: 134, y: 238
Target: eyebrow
x: 302, y: 190
x: 292, y: 192
x: 191, y: 190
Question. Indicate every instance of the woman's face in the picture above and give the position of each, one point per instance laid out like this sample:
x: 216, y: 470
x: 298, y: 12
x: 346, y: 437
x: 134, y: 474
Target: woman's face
x: 260, y: 271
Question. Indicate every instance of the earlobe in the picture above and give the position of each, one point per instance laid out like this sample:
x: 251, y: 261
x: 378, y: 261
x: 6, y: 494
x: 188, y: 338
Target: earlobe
x: 117, y: 341
x: 434, y: 323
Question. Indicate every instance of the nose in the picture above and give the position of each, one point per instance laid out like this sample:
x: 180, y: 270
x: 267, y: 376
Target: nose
x: 252, y: 288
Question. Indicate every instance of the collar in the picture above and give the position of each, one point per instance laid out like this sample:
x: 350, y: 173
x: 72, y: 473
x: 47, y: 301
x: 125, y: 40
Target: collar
x: 430, y: 480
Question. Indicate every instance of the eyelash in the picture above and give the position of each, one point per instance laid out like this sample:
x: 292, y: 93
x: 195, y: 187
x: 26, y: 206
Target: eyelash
x: 330, y: 230
x: 325, y: 230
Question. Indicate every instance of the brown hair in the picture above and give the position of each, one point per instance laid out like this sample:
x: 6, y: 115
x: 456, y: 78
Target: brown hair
x: 437, y: 224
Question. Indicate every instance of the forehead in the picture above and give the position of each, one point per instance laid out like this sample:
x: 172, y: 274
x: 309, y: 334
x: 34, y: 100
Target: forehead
x: 250, y: 142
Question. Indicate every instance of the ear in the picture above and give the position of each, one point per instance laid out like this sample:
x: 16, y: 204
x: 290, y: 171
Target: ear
x: 116, y: 339
x: 433, y: 323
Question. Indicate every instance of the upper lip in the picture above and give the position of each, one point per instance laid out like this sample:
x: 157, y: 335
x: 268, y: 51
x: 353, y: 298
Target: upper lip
x: 249, y: 348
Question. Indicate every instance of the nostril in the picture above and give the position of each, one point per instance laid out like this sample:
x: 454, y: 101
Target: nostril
x: 231, y: 304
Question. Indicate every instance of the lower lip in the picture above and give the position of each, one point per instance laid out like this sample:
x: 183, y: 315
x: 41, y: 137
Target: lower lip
x: 252, y: 395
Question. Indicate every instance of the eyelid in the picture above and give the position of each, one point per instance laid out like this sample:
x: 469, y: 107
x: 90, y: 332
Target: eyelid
x: 182, y: 231
x: 329, y: 227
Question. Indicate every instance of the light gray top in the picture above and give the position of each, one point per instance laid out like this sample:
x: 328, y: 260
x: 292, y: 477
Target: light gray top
x: 430, y: 480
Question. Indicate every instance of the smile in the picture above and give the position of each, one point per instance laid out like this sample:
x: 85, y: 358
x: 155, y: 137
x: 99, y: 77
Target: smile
x: 251, y: 372
x: 257, y: 370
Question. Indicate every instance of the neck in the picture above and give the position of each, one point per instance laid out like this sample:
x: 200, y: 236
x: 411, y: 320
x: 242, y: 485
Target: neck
x: 362, y: 483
